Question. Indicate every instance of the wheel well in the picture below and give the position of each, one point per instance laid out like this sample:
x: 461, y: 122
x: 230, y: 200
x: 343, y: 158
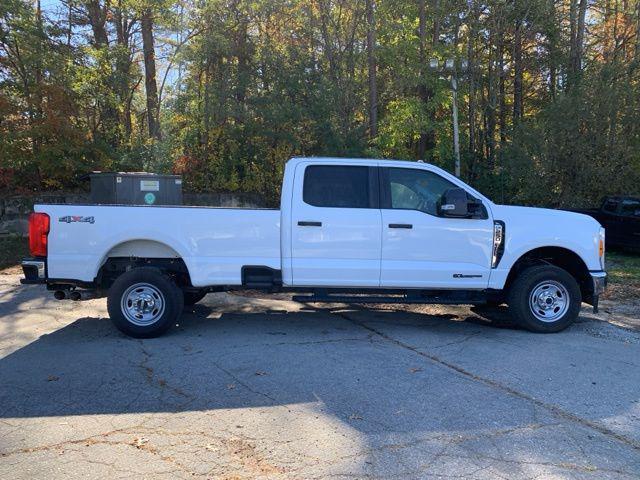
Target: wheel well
x: 115, y: 266
x: 560, y: 257
x: 142, y: 248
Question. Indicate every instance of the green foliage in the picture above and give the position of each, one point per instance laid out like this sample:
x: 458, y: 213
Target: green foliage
x: 251, y: 83
x: 573, y: 152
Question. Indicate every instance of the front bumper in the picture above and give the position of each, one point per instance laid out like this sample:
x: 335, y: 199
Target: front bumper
x: 599, y: 284
x: 35, y: 271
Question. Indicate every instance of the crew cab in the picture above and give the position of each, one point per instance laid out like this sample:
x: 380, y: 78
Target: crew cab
x: 348, y: 230
x: 620, y: 216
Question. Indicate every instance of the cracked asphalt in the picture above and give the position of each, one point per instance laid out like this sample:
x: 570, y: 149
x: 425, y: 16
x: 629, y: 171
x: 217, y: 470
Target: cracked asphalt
x: 249, y: 386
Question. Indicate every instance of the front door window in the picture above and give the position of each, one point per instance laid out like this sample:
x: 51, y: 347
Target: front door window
x: 412, y: 189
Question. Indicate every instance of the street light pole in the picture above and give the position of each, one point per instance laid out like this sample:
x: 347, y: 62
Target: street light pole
x: 449, y: 68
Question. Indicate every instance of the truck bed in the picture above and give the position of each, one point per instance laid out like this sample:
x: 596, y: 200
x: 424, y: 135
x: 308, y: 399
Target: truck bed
x: 214, y: 243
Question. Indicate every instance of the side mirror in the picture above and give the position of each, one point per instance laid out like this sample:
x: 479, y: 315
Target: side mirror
x: 455, y: 203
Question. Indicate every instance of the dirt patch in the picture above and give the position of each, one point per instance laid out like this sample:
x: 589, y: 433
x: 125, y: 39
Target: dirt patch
x: 14, y: 270
x: 620, y: 292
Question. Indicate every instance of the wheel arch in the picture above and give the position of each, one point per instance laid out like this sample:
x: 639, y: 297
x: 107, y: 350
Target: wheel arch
x: 142, y: 252
x: 141, y: 247
x: 561, y: 257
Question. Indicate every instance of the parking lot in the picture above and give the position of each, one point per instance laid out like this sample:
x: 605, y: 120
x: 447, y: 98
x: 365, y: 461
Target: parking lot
x: 249, y: 386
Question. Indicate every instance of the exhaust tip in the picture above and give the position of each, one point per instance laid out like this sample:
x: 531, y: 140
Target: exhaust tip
x: 59, y: 295
x: 75, y: 296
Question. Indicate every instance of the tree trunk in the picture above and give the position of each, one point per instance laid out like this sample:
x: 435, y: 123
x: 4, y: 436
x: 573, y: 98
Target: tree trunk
x: 38, y: 117
x: 371, y: 60
x: 517, y: 73
x: 577, y: 14
x: 150, y: 74
x: 490, y: 108
x: 472, y: 81
x: 582, y: 13
x: 435, y: 38
x: 97, y: 18
x: 572, y: 41
x: 502, y: 85
x: 123, y: 65
x: 553, y: 35
x: 243, y: 54
x: 636, y: 53
x: 427, y: 140
x: 70, y: 24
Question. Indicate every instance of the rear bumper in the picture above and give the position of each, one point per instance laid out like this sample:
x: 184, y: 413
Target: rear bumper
x: 35, y: 271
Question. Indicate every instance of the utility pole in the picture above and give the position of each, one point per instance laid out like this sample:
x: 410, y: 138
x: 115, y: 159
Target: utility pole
x: 448, y: 69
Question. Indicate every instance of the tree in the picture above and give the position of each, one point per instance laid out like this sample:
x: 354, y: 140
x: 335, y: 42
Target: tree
x: 552, y: 92
x: 150, y: 82
x: 578, y: 11
x: 371, y: 61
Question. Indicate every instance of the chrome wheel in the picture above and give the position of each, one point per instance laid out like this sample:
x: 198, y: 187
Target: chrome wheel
x: 549, y: 301
x: 142, y: 304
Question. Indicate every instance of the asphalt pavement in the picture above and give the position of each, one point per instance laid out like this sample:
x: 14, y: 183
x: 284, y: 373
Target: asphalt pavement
x: 263, y: 387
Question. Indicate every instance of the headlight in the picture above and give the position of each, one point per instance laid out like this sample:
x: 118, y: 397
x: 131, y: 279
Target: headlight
x: 601, y: 247
x: 498, y: 242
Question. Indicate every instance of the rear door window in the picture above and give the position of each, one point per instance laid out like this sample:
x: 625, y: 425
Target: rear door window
x: 337, y: 186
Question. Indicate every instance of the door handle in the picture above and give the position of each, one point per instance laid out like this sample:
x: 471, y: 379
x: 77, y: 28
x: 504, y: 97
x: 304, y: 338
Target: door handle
x: 309, y: 224
x: 400, y: 225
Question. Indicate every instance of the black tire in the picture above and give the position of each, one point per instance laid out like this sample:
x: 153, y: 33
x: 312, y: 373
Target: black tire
x: 191, y: 298
x: 559, y: 284
x: 154, y: 290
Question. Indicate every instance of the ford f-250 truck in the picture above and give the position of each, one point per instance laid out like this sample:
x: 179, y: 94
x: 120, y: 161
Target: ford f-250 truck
x: 347, y: 231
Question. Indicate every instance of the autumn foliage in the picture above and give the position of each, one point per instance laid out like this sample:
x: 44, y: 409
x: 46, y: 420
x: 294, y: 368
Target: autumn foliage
x: 225, y: 92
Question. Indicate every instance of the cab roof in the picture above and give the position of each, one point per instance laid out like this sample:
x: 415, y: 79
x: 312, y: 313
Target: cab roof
x: 386, y: 161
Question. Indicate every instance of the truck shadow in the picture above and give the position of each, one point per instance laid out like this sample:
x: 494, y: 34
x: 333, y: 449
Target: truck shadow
x: 247, y: 360
x: 236, y: 360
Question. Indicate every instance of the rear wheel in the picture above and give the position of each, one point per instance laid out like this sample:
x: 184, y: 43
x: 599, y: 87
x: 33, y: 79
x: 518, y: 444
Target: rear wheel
x: 544, y: 299
x: 144, y: 303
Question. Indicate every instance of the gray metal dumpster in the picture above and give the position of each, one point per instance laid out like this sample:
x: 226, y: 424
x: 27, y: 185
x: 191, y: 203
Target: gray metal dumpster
x: 135, y: 188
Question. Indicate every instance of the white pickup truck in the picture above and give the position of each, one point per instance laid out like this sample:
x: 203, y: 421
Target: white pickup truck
x: 348, y: 230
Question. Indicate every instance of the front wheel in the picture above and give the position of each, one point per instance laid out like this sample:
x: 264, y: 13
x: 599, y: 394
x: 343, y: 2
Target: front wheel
x: 544, y: 299
x: 144, y: 303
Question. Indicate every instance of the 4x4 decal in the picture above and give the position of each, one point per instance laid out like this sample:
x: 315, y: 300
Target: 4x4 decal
x: 76, y: 218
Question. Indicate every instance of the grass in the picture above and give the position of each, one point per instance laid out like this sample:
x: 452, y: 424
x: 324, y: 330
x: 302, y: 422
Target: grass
x: 623, y: 268
x: 13, y: 249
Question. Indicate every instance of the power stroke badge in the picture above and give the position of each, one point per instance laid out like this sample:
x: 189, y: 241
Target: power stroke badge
x: 76, y: 219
